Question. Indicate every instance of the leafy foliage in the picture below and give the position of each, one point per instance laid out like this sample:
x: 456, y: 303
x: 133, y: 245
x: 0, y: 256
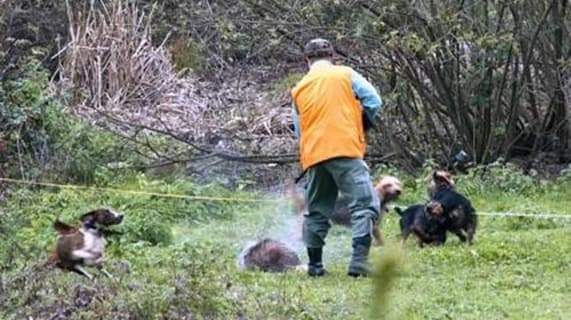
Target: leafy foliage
x: 454, y: 75
x: 41, y: 139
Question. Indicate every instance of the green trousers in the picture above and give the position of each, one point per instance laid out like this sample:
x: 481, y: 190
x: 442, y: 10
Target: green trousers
x: 325, y: 181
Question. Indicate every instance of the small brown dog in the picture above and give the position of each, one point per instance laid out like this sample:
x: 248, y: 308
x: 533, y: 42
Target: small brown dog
x: 389, y: 189
x: 425, y: 222
x: 84, y: 246
x: 269, y: 255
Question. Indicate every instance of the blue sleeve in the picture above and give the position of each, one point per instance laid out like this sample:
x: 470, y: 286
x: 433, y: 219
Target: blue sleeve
x: 295, y: 118
x: 367, y: 94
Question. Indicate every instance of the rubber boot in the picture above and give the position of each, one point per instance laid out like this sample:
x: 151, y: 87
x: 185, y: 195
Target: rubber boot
x: 359, y: 260
x: 315, y: 266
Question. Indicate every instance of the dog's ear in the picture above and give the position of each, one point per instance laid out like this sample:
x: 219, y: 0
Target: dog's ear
x: 382, y: 185
x: 63, y: 228
x: 297, y: 199
x: 89, y: 218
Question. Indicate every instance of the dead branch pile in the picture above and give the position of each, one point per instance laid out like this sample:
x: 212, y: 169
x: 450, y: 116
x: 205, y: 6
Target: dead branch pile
x: 121, y: 82
x: 113, y: 69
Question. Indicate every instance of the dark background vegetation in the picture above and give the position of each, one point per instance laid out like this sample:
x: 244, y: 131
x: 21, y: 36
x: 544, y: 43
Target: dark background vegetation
x: 488, y: 77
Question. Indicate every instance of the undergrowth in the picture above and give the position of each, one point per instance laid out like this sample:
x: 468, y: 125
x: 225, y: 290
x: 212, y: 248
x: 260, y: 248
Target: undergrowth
x: 176, y: 258
x: 39, y: 139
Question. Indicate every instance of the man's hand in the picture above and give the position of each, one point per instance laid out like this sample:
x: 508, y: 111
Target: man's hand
x: 367, y: 124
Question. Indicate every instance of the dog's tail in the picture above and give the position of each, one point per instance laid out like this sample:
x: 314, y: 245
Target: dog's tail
x: 52, y: 261
x: 296, y: 198
x: 398, y: 211
x: 63, y: 228
x: 299, y: 207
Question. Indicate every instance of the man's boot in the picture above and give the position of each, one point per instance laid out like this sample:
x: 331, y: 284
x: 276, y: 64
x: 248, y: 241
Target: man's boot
x: 315, y: 266
x: 359, y: 260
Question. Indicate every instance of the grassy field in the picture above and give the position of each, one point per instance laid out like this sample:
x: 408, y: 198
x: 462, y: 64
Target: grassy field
x: 177, y: 260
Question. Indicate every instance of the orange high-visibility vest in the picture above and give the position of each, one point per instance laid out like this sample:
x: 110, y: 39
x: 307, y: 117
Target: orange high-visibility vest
x: 330, y: 116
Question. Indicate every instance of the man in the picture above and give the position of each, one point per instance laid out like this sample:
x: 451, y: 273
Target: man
x: 332, y: 106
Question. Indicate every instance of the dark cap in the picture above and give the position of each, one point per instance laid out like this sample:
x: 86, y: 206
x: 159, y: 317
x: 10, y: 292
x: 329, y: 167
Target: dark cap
x: 318, y: 48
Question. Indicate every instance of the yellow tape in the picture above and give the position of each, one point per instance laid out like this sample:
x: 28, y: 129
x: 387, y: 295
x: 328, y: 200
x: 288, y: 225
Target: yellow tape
x: 228, y: 199
x: 526, y: 215
x: 519, y: 214
x: 135, y: 192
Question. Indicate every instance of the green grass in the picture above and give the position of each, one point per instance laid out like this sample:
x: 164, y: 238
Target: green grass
x: 508, y: 273
x: 518, y: 268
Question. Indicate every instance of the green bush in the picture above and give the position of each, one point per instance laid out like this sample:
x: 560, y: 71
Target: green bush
x: 42, y: 140
x: 484, y: 180
x: 498, y: 176
x: 148, y: 226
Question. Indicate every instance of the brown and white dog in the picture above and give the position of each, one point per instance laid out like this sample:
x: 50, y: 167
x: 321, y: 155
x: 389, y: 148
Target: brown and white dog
x: 84, y: 246
x: 389, y: 188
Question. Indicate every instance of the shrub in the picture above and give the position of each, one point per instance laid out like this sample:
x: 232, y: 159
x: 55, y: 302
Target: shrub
x: 498, y: 176
x: 147, y: 226
x: 42, y: 140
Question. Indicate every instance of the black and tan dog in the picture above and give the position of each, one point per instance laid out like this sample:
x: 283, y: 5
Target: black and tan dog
x: 447, y: 210
x: 439, y: 180
x: 459, y: 216
x: 426, y: 224
x: 84, y: 246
